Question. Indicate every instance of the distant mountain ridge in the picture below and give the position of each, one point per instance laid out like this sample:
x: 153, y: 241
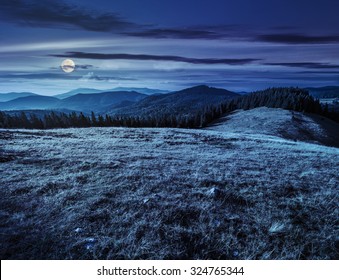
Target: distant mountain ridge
x: 77, y: 91
x: 4, y: 97
x: 147, y: 91
x: 193, y: 107
x: 184, y: 102
x: 125, y: 102
x: 99, y: 103
x: 79, y: 102
x: 30, y: 102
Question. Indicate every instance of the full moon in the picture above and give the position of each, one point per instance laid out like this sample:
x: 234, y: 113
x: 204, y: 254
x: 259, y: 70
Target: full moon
x: 68, y: 65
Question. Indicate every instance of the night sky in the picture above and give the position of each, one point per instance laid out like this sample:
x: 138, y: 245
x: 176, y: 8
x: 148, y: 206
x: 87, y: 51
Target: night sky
x: 240, y: 45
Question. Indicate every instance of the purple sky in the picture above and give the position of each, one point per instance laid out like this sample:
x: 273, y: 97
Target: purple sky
x: 240, y: 45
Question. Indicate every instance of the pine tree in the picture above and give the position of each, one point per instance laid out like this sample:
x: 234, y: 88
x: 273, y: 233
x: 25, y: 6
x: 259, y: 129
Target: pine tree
x: 93, y: 119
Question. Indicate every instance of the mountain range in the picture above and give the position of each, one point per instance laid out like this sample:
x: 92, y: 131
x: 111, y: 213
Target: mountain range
x: 132, y: 101
x: 148, y: 91
x: 123, y: 102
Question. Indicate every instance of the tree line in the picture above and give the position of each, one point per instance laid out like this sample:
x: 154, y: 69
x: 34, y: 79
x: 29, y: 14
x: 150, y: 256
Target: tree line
x: 286, y: 98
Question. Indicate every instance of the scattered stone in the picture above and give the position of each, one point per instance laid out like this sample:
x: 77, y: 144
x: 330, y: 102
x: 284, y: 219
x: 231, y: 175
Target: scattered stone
x: 214, y: 193
x: 277, y: 228
x: 89, y: 243
x: 78, y: 230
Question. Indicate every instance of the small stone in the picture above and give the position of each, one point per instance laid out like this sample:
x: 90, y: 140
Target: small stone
x: 89, y: 243
x: 90, y: 239
x: 89, y: 246
x: 78, y: 230
x: 277, y: 228
x: 214, y: 192
x: 235, y: 253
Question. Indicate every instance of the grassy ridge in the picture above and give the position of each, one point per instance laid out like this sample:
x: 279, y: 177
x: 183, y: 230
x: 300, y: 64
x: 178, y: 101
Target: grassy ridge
x: 123, y: 193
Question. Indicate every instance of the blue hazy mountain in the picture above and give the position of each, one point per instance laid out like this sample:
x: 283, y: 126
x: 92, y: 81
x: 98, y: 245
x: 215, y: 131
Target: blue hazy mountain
x: 147, y: 91
x: 98, y: 102
x: 125, y: 102
x: 77, y: 91
x: 183, y: 101
x: 4, y: 97
x: 30, y: 102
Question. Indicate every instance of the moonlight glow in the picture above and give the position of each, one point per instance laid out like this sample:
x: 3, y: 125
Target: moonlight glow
x: 68, y: 65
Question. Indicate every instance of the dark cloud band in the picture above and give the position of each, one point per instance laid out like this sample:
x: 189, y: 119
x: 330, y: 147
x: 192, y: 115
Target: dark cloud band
x: 230, y: 61
x: 177, y: 34
x: 310, y: 65
x: 58, y: 14
x: 83, y: 66
x: 297, y: 39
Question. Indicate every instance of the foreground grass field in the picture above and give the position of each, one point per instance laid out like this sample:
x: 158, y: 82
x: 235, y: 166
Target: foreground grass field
x: 118, y: 193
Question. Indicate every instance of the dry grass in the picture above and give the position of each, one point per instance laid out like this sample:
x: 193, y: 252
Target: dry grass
x: 114, y: 193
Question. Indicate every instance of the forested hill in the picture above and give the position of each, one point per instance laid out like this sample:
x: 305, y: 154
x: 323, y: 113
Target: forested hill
x: 295, y: 99
x: 286, y: 98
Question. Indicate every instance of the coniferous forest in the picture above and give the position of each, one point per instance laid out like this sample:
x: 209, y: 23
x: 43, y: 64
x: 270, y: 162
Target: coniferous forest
x: 286, y: 98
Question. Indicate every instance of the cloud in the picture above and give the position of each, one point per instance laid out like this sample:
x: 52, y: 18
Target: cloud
x: 311, y: 65
x: 77, y: 66
x: 62, y: 15
x: 207, y: 32
x: 231, y: 31
x: 93, y: 77
x: 62, y: 76
x: 58, y: 14
x: 183, y: 33
x: 90, y: 76
x: 229, y: 61
x: 297, y: 39
x: 68, y: 67
x: 83, y: 66
x: 40, y: 76
x: 319, y: 72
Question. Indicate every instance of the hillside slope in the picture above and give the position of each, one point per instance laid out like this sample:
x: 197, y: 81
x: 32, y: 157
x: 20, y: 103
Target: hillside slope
x: 281, y: 123
x: 132, y: 193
